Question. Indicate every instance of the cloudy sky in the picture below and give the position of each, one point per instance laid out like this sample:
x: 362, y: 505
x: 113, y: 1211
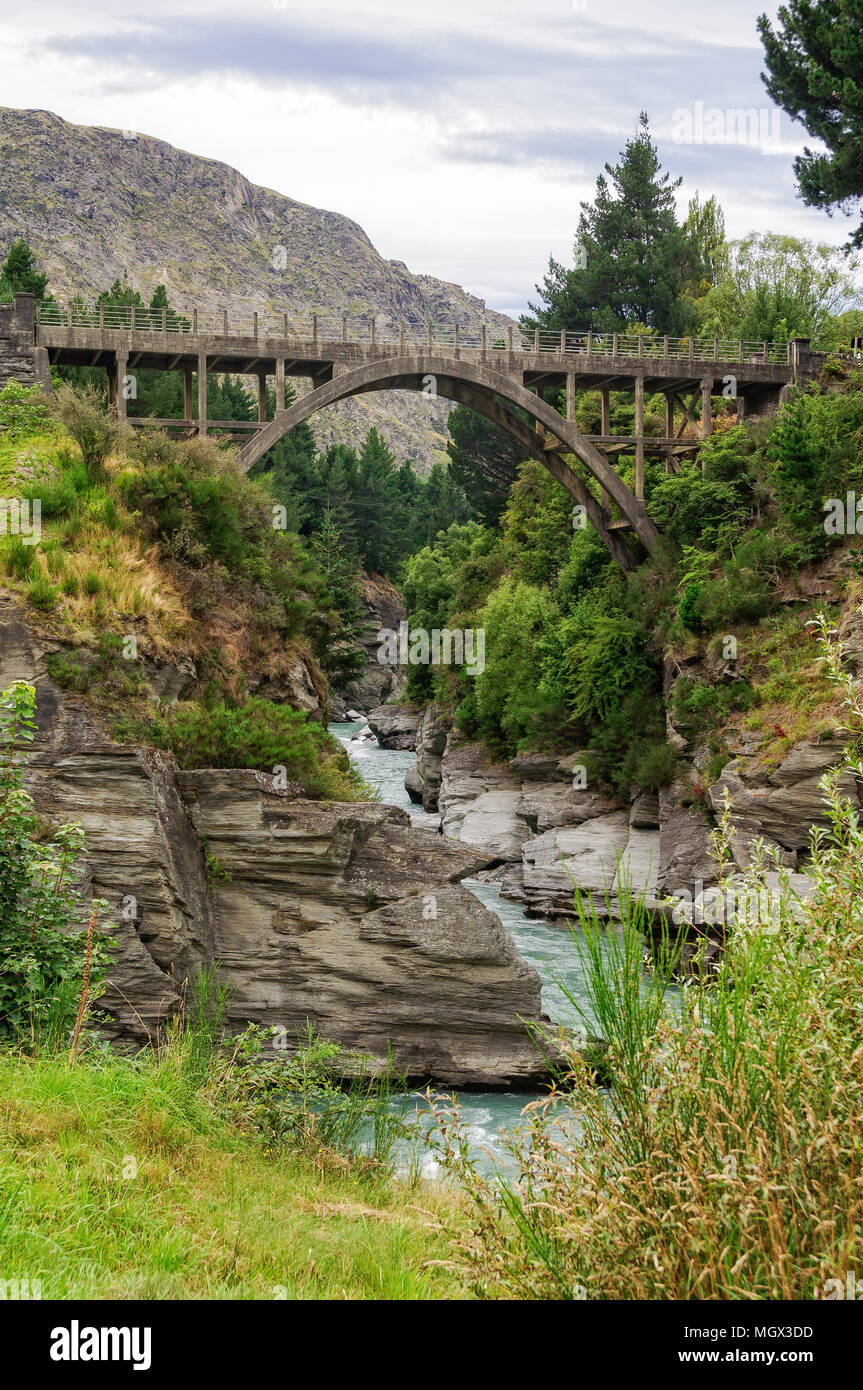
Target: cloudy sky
x: 461, y: 135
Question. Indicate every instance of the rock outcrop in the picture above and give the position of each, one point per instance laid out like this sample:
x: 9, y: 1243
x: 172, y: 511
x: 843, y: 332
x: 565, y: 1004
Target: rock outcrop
x: 395, y: 726
x: 423, y: 780
x: 383, y: 607
x: 344, y: 914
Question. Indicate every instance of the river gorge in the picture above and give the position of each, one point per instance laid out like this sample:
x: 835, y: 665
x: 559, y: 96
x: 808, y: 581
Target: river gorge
x: 549, y: 949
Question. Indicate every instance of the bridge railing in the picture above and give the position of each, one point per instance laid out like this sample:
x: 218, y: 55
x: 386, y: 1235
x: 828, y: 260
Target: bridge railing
x: 411, y: 334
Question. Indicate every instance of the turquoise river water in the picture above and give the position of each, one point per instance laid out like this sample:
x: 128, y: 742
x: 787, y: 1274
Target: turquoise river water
x: 550, y: 950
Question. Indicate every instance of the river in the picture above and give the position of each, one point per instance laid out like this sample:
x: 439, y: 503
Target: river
x: 549, y: 949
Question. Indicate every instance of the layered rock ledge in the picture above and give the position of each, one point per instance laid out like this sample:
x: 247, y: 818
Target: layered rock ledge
x: 342, y: 914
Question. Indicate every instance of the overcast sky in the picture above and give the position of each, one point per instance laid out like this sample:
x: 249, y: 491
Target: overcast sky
x: 461, y: 135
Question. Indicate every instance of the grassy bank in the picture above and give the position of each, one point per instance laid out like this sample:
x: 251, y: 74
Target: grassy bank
x: 211, y: 1212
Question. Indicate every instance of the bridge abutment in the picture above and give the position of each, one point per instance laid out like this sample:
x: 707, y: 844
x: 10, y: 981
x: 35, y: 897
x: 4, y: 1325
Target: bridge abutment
x: 20, y: 357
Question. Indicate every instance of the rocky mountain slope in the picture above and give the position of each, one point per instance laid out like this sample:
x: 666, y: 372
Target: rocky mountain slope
x: 99, y: 204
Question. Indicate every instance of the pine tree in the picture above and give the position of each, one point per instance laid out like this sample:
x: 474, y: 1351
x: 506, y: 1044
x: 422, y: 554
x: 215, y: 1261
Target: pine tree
x: 632, y: 256
x: 19, y: 273
x: 815, y: 62
x: 340, y: 620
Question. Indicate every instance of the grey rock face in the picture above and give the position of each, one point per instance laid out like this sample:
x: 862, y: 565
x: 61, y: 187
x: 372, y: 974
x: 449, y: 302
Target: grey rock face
x: 422, y: 781
x: 783, y: 806
x: 395, y: 726
x: 344, y: 915
x: 384, y: 608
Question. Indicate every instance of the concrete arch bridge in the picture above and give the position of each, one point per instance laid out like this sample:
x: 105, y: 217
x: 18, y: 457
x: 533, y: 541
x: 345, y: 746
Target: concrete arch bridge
x: 343, y: 357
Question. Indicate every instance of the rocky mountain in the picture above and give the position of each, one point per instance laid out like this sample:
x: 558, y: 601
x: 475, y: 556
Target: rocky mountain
x: 100, y: 204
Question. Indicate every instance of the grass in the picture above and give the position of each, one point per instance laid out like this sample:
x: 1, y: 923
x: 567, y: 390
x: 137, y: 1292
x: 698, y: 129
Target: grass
x: 725, y: 1158
x: 209, y: 1214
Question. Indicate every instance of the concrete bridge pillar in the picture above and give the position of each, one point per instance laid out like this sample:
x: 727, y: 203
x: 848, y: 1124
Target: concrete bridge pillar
x: 187, y: 393
x: 262, y: 397
x: 706, y: 393
x: 121, y: 363
x: 605, y: 430
x: 280, y: 385
x: 639, y: 438
x: 202, y: 393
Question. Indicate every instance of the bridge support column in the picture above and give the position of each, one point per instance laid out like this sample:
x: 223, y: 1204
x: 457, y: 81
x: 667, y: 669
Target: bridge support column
x: 605, y: 429
x: 706, y: 420
x: 280, y: 385
x: 706, y: 393
x: 262, y: 398
x: 570, y: 395
x: 122, y: 360
x: 187, y: 393
x: 202, y: 393
x: 639, y: 438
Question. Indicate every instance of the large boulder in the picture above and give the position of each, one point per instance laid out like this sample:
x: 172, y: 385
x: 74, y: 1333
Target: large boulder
x: 479, y: 801
x: 423, y: 780
x: 395, y: 726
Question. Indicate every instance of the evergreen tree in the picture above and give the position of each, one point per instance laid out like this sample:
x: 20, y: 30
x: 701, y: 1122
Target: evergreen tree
x: 633, y: 259
x: 378, y: 509
x: 815, y: 64
x: 19, y: 273
x: 483, y: 461
x: 339, y: 622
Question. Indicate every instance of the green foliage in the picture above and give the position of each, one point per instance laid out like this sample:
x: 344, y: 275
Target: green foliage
x: 23, y: 410
x: 82, y: 414
x: 700, y: 706
x: 105, y: 672
x: 604, y: 658
x: 19, y: 558
x: 41, y: 592
x: 255, y: 734
x: 777, y: 287
x: 505, y: 709
x: 19, y: 273
x: 637, y: 257
x: 42, y: 941
x: 483, y: 461
x: 814, y: 58
x: 537, y: 525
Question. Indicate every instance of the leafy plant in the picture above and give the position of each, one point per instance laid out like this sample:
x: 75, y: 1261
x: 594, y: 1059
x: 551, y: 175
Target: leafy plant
x: 43, y: 949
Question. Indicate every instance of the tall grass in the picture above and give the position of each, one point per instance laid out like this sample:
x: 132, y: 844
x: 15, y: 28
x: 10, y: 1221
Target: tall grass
x: 724, y: 1157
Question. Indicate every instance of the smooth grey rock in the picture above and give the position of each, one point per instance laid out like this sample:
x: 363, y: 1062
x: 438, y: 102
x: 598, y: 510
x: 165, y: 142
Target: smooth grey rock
x: 395, y: 726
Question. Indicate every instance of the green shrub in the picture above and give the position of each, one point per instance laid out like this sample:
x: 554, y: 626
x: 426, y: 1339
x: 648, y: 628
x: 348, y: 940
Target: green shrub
x: 700, y: 706
x: 256, y: 734
x: 82, y: 413
x: 23, y: 410
x: 43, y: 944
x: 654, y: 768
x: 41, y: 592
x: 18, y: 558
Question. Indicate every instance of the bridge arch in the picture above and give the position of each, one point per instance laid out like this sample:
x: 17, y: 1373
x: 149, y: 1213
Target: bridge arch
x: 550, y: 438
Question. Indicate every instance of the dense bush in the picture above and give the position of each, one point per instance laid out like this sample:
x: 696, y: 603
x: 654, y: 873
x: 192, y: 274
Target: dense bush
x: 256, y: 734
x: 23, y: 410
x: 82, y: 414
x: 43, y: 935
